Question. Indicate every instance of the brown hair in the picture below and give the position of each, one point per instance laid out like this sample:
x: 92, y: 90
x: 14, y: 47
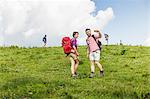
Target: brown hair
x: 74, y: 33
x: 87, y: 29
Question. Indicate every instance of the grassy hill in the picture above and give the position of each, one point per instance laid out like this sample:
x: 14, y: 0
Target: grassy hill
x: 43, y: 73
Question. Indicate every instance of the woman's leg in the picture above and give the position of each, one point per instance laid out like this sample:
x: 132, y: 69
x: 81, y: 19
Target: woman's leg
x: 72, y: 66
x: 76, y: 65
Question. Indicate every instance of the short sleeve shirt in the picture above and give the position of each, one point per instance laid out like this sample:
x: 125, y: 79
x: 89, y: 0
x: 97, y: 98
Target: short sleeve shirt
x: 92, y: 43
x: 74, y: 42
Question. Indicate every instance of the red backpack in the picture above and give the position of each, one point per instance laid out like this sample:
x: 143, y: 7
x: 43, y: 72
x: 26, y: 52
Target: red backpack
x: 66, y: 44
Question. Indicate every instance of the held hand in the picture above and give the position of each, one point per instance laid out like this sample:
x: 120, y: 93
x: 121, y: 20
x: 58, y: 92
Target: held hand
x: 73, y: 51
x: 77, y: 54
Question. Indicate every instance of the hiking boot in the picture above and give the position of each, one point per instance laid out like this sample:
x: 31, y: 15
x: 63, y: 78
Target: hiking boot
x: 73, y: 75
x: 76, y: 73
x: 92, y: 75
x: 101, y: 74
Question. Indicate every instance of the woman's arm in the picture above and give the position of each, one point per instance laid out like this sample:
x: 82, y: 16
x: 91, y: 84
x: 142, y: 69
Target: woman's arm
x: 76, y: 51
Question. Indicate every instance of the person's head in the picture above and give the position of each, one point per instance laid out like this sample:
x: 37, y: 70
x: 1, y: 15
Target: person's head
x: 75, y: 34
x: 88, y: 32
x: 45, y: 35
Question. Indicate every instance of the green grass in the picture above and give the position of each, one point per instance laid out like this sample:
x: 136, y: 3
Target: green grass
x: 43, y: 73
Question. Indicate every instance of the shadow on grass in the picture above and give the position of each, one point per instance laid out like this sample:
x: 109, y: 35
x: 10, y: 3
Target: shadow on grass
x: 133, y: 95
x: 31, y: 87
x: 14, y: 83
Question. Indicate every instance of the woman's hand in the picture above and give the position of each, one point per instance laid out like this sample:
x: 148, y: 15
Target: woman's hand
x: 77, y: 53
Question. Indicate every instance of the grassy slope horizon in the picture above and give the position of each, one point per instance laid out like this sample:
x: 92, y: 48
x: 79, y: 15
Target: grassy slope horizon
x: 37, y: 73
x: 16, y: 46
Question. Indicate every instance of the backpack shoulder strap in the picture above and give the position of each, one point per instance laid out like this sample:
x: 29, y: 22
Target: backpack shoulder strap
x: 94, y: 38
x: 96, y: 41
x: 87, y: 41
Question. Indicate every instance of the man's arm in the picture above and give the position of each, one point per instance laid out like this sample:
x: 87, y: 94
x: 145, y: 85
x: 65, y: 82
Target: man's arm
x: 88, y: 51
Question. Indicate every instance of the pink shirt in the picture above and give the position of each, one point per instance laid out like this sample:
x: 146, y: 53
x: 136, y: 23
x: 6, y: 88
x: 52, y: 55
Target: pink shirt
x: 92, y: 44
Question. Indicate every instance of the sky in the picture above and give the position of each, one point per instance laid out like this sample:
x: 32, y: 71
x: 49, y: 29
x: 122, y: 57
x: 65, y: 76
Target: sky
x: 131, y: 23
x: 25, y: 22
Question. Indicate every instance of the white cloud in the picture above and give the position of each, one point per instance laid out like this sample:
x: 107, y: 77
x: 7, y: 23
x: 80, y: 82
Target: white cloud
x: 26, y: 21
x: 147, y: 42
x: 1, y: 39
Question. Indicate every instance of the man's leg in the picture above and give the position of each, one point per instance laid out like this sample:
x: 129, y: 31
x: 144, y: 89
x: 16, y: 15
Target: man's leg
x: 92, y: 69
x: 99, y: 65
x: 91, y: 58
x: 100, y: 68
x: 97, y: 58
x: 44, y: 44
x: 92, y: 66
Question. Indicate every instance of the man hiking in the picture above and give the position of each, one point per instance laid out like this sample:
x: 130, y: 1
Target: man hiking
x: 93, y: 51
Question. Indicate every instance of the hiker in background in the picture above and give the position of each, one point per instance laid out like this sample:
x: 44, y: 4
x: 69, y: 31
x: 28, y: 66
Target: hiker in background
x: 93, y: 51
x: 106, y: 37
x: 74, y: 54
x: 121, y: 42
x: 45, y: 40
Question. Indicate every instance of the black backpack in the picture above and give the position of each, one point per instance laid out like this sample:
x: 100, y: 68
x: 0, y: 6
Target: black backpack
x: 99, y: 43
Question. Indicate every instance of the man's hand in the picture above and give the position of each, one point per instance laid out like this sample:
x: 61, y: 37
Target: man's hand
x: 97, y: 31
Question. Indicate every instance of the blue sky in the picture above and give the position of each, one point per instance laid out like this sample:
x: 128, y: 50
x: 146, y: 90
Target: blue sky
x: 130, y: 23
